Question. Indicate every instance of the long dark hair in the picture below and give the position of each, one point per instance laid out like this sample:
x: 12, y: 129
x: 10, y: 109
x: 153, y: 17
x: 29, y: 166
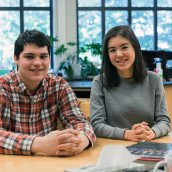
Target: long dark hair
x: 108, y: 71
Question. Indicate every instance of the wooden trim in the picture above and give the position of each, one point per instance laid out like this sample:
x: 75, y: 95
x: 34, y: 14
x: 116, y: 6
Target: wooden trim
x: 168, y: 92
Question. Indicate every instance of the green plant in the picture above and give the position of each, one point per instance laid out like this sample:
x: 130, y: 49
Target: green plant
x: 68, y: 53
x: 88, y: 68
x: 94, y: 48
x: 70, y: 56
x: 66, y: 66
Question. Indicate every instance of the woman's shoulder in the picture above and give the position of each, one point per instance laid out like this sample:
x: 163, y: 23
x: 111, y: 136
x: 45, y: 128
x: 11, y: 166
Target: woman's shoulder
x: 97, y: 81
x: 153, y: 77
x: 100, y: 79
x: 96, y: 78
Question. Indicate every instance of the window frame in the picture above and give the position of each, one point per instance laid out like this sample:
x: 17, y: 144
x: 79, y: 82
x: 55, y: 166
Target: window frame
x: 21, y: 8
x: 129, y: 9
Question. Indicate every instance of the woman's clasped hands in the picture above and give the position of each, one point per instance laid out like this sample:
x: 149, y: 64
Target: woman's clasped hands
x: 139, y: 132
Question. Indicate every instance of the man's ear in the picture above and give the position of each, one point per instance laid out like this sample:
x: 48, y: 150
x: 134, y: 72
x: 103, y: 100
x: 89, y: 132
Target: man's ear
x: 15, y: 60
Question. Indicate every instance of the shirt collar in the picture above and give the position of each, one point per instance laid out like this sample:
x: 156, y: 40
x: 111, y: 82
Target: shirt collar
x: 22, y: 86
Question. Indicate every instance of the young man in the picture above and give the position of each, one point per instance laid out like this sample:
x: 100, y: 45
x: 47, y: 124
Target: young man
x: 31, y: 101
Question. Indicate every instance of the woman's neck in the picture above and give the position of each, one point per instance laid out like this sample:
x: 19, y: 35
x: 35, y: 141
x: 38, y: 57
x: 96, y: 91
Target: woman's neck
x: 128, y: 73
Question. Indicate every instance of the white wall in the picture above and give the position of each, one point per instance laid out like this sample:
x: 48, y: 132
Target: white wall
x: 64, y: 23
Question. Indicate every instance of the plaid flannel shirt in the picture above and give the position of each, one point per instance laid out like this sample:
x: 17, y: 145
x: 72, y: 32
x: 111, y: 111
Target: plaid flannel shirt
x: 24, y: 116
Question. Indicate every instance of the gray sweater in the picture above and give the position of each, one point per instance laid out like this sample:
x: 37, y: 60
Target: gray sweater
x: 115, y: 110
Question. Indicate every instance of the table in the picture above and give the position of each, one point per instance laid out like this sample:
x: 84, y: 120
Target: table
x: 19, y: 163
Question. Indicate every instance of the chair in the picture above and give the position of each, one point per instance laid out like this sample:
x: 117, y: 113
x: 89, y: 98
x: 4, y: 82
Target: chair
x: 85, y: 107
x: 84, y: 104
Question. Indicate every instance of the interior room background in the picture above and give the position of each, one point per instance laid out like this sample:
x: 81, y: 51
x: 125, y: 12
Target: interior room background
x: 84, y: 22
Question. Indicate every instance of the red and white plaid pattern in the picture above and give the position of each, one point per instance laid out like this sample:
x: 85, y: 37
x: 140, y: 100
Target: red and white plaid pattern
x: 24, y: 116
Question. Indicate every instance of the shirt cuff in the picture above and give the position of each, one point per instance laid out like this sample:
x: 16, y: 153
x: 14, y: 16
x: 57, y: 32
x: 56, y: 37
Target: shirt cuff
x: 26, y: 145
x: 90, y: 145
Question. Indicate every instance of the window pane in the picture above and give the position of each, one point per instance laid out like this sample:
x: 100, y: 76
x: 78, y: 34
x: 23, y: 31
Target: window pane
x: 114, y: 18
x: 9, y: 3
x: 116, y: 3
x: 164, y: 30
x: 8, y: 34
x: 90, y: 31
x: 142, y: 24
x: 164, y: 3
x: 37, y: 20
x: 142, y: 3
x: 36, y: 3
x: 89, y: 3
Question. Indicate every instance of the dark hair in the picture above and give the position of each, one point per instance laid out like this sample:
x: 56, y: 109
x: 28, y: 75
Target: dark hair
x: 31, y: 36
x: 112, y: 78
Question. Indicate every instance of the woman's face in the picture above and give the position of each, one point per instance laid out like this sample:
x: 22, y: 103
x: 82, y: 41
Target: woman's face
x: 122, y: 56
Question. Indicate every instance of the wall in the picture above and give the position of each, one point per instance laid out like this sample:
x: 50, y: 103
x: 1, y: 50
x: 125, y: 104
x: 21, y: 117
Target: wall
x: 65, y: 22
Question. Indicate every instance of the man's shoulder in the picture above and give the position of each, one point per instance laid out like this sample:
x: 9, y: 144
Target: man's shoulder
x: 5, y: 79
x: 7, y: 83
x: 53, y: 79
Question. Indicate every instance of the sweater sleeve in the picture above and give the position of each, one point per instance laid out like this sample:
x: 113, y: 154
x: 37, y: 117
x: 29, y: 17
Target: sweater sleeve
x: 162, y: 119
x: 98, y: 114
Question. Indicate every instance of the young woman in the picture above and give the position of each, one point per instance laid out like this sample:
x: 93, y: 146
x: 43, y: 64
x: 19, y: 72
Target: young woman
x: 127, y: 101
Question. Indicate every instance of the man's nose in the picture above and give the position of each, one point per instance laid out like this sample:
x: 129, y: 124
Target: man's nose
x: 37, y: 61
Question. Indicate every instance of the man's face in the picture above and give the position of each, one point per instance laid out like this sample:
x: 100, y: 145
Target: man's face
x: 33, y: 64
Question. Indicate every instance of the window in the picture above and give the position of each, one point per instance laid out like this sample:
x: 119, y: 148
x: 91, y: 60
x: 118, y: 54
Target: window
x: 150, y: 19
x: 17, y: 16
